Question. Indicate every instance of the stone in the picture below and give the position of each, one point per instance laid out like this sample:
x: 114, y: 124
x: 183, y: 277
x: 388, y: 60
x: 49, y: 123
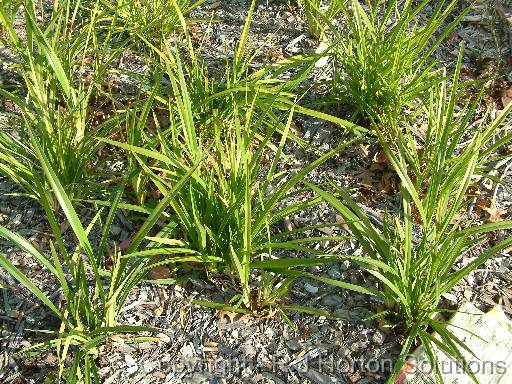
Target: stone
x: 198, y: 378
x: 163, y: 338
x: 126, y: 349
x: 313, y: 289
x: 249, y: 350
x: 332, y: 300
x: 334, y: 272
x: 130, y: 361
x: 293, y: 345
x: 131, y: 370
x: 359, y: 346
x: 378, y: 337
x: 188, y: 350
x: 115, y: 229
x: 317, y: 377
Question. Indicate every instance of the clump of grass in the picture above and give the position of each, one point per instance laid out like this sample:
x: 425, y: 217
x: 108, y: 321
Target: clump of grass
x: 214, y: 93
x: 415, y: 253
x: 226, y: 211
x: 62, y: 65
x: 316, y: 16
x: 92, y: 292
x: 149, y: 20
x: 213, y: 98
x: 383, y: 56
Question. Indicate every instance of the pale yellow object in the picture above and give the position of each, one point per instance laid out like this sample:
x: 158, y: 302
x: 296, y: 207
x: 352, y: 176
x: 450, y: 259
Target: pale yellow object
x: 488, y: 335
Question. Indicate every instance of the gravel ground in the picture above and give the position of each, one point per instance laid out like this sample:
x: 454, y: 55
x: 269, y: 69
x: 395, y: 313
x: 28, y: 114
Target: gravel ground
x: 198, y: 345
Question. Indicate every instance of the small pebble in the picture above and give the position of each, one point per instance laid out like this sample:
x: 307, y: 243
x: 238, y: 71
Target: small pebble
x: 293, y: 345
x: 115, y: 230
x: 378, y: 337
x: 163, y: 338
x: 131, y: 370
x: 332, y: 300
x: 311, y: 288
x: 130, y: 361
x: 249, y: 350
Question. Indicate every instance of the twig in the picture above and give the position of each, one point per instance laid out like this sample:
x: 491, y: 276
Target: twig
x: 503, y: 175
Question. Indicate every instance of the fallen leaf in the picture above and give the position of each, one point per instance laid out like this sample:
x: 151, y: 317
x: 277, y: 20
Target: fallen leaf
x: 229, y: 314
x: 160, y: 272
x: 506, y: 96
x: 296, y: 128
x: 214, y: 5
x: 183, y: 314
x: 123, y: 246
x: 364, y: 149
x: 64, y: 227
x: 36, y: 245
x: 380, y: 157
x: 158, y: 311
x: 387, y: 183
x: 455, y: 218
x: 366, y: 178
x: 159, y: 374
x: 277, y: 54
x: 15, y: 314
x: 494, y: 214
x: 210, y: 346
x: 407, y: 368
x: 423, y: 128
x: 51, y: 359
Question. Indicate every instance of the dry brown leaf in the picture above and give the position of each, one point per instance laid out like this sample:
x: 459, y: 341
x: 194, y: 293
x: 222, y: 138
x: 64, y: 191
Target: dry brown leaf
x: 380, y: 157
x: 277, y: 55
x: 223, y: 314
x: 455, y: 218
x: 51, y: 359
x: 407, y: 368
x: 296, y: 128
x: 123, y: 246
x: 423, y: 128
x: 183, y: 314
x: 506, y: 96
x: 387, y: 183
x: 210, y: 346
x: 64, y: 226
x: 159, y: 374
x: 494, y: 214
x: 214, y: 5
x: 36, y: 245
x: 160, y: 272
x: 366, y: 178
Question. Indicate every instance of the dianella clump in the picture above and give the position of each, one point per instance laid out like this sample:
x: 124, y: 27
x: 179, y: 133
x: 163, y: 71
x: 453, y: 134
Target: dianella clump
x: 227, y: 212
x: 415, y: 253
x: 63, y: 64
x: 95, y: 281
x: 383, y: 57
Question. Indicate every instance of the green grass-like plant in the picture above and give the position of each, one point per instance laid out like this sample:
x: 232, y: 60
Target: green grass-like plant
x: 212, y: 98
x: 226, y: 212
x: 316, y: 16
x: 150, y: 20
x: 383, y: 56
x: 92, y: 293
x: 415, y: 253
x: 63, y: 64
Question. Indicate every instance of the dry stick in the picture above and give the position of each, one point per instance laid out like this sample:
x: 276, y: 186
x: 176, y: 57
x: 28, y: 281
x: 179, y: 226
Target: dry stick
x: 377, y: 220
x: 503, y: 175
x: 497, y: 165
